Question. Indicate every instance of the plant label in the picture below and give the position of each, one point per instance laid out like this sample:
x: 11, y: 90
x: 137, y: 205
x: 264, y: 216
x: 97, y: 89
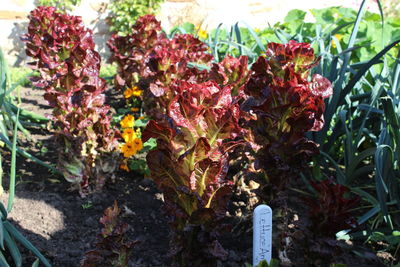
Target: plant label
x: 262, y: 234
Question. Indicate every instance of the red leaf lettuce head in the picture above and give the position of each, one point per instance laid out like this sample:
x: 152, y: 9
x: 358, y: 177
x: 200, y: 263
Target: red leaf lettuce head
x: 231, y: 72
x: 331, y: 209
x: 111, y: 248
x: 63, y: 52
x: 299, y: 56
x: 205, y: 110
x: 285, y: 103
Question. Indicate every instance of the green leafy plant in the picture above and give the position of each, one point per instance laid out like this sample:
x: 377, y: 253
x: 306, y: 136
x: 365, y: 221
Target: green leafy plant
x: 264, y: 263
x: 108, y: 72
x: 63, y: 5
x: 20, y: 76
x: 124, y: 13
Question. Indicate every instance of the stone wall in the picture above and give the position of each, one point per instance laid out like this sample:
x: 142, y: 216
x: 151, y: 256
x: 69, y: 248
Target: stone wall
x: 205, y: 13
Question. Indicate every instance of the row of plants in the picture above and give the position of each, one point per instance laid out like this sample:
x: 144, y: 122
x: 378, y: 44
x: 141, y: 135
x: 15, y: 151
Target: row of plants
x: 207, y: 109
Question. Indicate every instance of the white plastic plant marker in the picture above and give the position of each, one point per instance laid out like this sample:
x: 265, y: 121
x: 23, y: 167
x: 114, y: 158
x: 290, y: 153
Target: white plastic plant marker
x: 262, y: 234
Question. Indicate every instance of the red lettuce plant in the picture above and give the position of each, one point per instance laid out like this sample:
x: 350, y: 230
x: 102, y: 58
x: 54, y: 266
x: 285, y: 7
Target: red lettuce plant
x: 132, y: 52
x: 63, y: 53
x: 231, y: 71
x: 331, y: 209
x: 111, y: 248
x: 284, y: 103
x: 152, y: 62
x: 190, y: 164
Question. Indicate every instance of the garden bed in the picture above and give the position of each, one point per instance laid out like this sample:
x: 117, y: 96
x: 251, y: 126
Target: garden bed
x: 63, y: 226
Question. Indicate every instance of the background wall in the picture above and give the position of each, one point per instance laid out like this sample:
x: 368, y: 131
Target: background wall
x: 207, y: 13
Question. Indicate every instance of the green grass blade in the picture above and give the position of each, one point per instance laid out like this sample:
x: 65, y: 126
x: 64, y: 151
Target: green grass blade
x: 14, y: 118
x: 339, y: 27
x: 3, y: 261
x: 367, y: 196
x: 381, y: 158
x: 368, y: 215
x: 216, y: 41
x: 393, y: 122
x: 341, y: 177
x: 3, y: 77
x: 25, y: 242
x: 256, y: 38
x: 363, y: 70
x: 1, y: 235
x: 282, y: 36
x: 351, y: 168
x: 13, y: 167
x: 29, y: 156
x: 13, y: 249
x: 238, y: 37
x: 382, y: 20
x: 337, y: 92
x: 396, y: 75
x: 1, y: 175
x: 36, y: 263
x: 245, y: 49
x: 3, y: 211
x: 29, y: 115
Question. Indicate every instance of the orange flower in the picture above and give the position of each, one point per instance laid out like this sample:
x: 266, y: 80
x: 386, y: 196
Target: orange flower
x: 124, y: 167
x: 128, y: 93
x: 134, y: 109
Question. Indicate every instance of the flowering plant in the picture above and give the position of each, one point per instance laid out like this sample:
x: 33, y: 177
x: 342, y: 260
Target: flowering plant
x: 285, y: 103
x: 63, y: 53
x: 190, y: 165
x: 132, y: 141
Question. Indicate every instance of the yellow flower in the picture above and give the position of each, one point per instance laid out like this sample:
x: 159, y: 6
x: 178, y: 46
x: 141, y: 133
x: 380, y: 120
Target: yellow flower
x: 257, y: 30
x: 134, y: 91
x: 202, y: 33
x: 128, y: 149
x: 337, y: 36
x: 137, y: 92
x: 131, y: 148
x: 138, y: 144
x: 129, y: 135
x: 128, y: 121
x: 134, y: 109
x: 124, y: 167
